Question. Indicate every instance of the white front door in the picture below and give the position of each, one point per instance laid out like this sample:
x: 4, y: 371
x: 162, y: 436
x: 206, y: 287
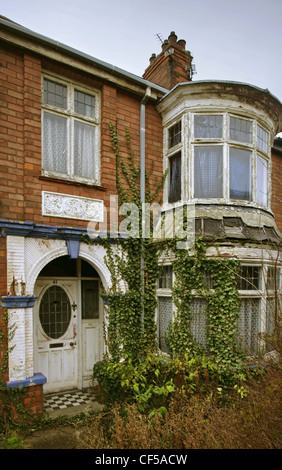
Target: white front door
x: 56, y: 333
x: 91, y: 328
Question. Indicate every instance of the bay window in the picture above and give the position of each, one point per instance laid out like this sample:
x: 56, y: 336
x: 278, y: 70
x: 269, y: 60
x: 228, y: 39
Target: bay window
x: 260, y: 294
x: 70, y: 129
x: 217, y: 156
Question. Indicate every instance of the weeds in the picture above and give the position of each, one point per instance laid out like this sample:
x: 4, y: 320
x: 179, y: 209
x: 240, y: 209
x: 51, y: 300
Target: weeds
x: 251, y: 421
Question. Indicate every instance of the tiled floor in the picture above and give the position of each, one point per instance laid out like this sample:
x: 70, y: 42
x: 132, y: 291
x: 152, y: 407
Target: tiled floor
x: 61, y: 401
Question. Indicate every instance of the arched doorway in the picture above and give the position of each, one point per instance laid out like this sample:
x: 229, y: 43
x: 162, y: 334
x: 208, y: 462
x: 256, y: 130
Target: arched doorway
x: 68, y: 323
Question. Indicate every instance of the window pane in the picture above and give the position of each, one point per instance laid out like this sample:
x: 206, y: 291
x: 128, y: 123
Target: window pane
x: 208, y: 172
x: 248, y: 325
x: 250, y: 278
x: 90, y: 299
x: 262, y: 139
x: 240, y: 130
x: 240, y: 174
x: 175, y: 178
x: 55, y: 312
x: 199, y: 321
x: 165, y: 318
x: 273, y: 278
x: 174, y: 135
x: 54, y: 143
x: 84, y: 150
x: 84, y: 104
x: 262, y: 181
x: 165, y: 279
x: 208, y: 127
x: 55, y: 94
x: 64, y: 266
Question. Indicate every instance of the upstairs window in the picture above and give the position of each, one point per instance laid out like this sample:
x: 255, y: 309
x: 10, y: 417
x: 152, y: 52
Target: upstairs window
x: 70, y: 132
x: 175, y: 178
x: 208, y: 127
x: 262, y: 139
x: 241, y: 130
x: 240, y: 174
x: 219, y: 156
x: 174, y: 135
x: 208, y: 172
x: 262, y: 181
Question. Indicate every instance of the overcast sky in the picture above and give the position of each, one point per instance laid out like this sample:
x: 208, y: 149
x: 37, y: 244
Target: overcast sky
x: 239, y: 40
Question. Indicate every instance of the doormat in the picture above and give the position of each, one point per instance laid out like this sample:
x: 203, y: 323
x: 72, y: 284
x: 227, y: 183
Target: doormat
x: 60, y: 401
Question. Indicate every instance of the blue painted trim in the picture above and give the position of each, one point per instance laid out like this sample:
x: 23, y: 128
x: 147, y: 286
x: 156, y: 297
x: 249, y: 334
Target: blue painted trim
x: 73, y: 248
x: 37, y: 379
x: 31, y: 230
x: 18, y: 301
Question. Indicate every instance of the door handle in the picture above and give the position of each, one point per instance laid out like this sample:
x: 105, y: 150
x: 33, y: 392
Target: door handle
x: 72, y: 344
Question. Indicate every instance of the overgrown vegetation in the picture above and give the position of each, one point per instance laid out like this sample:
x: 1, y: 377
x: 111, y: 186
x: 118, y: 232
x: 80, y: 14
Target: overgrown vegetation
x: 195, y: 388
x: 197, y: 396
x: 248, y: 418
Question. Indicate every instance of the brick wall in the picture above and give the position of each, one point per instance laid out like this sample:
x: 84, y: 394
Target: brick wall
x: 20, y: 159
x: 276, y: 183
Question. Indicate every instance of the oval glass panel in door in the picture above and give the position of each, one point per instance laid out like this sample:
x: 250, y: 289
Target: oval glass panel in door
x: 55, y: 312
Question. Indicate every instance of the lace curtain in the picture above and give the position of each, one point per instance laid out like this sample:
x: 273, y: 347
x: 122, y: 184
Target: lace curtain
x: 55, y: 146
x: 84, y: 145
x: 240, y: 174
x: 54, y: 143
x: 261, y: 181
x: 208, y: 172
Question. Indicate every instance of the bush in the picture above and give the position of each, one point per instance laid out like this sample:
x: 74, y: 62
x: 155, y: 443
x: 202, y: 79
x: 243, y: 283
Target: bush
x: 197, y: 422
x: 154, y: 380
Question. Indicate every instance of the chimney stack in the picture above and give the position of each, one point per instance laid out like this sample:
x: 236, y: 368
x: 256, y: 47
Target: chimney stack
x: 172, y: 66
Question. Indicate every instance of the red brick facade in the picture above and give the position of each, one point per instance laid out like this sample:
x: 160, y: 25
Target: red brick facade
x: 20, y: 160
x: 276, y: 184
x: 23, y: 63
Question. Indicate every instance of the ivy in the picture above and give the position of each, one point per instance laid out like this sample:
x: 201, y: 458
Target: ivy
x: 222, y: 306
x: 127, y: 335
x: 131, y: 314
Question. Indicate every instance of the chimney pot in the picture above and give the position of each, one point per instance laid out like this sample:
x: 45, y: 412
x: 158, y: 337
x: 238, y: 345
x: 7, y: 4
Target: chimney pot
x: 152, y: 58
x: 172, y: 38
x: 164, y: 45
x: 181, y: 43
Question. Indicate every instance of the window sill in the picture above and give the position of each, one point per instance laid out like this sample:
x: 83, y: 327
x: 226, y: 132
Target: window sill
x: 71, y: 182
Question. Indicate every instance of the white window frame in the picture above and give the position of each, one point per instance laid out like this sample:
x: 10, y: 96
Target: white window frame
x: 188, y: 144
x: 261, y: 293
x: 71, y: 117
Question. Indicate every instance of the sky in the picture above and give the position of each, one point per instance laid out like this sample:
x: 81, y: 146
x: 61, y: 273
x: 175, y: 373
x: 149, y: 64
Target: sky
x: 237, y: 40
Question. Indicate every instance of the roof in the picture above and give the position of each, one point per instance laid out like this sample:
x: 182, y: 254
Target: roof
x: 9, y: 25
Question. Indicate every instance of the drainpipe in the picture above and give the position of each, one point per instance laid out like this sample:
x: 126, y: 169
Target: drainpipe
x: 142, y: 187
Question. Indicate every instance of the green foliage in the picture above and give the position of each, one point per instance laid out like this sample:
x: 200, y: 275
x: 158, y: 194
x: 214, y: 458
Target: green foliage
x: 222, y: 306
x: 133, y: 371
x: 155, y: 380
x: 131, y: 325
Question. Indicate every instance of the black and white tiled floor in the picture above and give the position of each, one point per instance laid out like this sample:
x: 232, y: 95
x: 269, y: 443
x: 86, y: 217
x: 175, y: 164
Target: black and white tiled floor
x: 61, y: 401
